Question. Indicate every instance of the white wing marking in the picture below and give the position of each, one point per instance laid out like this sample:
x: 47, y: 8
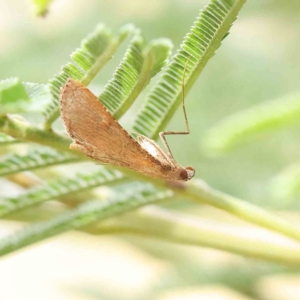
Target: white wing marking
x: 153, y: 149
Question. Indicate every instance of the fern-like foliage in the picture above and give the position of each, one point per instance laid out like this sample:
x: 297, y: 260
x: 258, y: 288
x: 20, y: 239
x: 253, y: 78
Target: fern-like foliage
x: 240, y: 127
x: 39, y: 94
x: 287, y: 183
x: 36, y: 158
x: 198, y: 46
x: 124, y: 198
x: 139, y: 65
x: 141, y: 62
x: 59, y: 188
x: 13, y: 96
x: 88, y: 60
x: 17, y: 96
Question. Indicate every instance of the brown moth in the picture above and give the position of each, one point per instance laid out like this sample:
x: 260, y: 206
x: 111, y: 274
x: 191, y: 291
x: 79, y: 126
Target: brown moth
x: 98, y: 135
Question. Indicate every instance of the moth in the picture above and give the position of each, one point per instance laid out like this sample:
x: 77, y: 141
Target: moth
x: 98, y: 135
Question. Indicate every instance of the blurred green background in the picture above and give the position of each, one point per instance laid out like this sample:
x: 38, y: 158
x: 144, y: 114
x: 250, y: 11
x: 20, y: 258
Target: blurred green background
x: 258, y: 61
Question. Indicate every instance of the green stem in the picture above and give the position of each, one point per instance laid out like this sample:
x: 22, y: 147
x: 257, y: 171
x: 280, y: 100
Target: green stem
x: 241, y: 209
x: 185, y: 229
x: 18, y: 128
x: 84, y: 215
x: 156, y: 222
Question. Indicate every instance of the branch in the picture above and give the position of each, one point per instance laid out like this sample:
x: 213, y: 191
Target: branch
x: 156, y: 222
x: 18, y: 128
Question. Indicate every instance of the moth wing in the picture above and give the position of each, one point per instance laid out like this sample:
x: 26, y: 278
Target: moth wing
x: 96, y: 133
x: 154, y: 149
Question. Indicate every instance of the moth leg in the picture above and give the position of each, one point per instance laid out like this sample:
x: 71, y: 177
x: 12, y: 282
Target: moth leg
x: 163, y: 133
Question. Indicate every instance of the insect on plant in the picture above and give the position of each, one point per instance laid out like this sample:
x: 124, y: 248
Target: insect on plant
x: 98, y: 135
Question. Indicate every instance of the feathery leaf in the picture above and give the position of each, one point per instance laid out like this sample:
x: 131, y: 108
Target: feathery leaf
x: 198, y: 46
x: 36, y: 158
x: 59, y: 188
x: 138, y: 66
x: 95, y: 51
x: 13, y: 96
x: 239, y: 127
x: 17, y: 96
x: 124, y: 198
x: 287, y: 183
x: 39, y: 94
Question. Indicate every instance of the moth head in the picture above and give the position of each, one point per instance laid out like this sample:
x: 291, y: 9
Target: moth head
x: 187, y: 173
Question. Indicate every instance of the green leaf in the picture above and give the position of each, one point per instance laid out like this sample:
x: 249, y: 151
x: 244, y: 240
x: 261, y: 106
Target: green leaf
x: 138, y: 66
x: 198, y: 46
x: 124, y: 198
x: 17, y: 96
x: 240, y: 127
x: 39, y: 94
x: 59, y: 188
x: 41, y: 6
x: 287, y: 183
x: 36, y: 158
x: 13, y: 96
x: 95, y: 51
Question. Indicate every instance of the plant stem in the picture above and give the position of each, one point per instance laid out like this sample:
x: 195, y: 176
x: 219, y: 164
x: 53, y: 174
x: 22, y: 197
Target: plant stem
x: 158, y: 222
x: 241, y: 209
x: 20, y: 129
